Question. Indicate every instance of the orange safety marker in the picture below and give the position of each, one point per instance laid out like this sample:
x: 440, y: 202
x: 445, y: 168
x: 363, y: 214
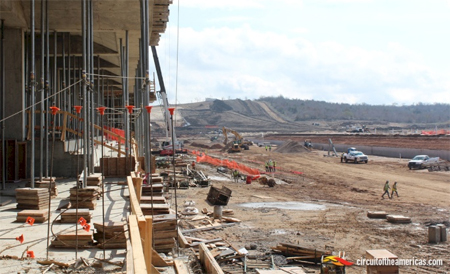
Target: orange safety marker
x: 30, y: 220
x: 82, y: 221
x: 30, y: 254
x: 86, y: 227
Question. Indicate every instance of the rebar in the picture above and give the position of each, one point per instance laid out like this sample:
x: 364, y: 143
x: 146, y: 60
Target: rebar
x: 33, y: 88
x: 84, y: 97
x: 41, y: 129
x: 3, y: 98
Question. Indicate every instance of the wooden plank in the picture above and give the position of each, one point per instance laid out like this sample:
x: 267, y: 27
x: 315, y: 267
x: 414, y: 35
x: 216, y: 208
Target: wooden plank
x: 148, y: 243
x: 180, y: 266
x: 138, y: 253
x: 208, y: 261
x: 135, y: 206
x: 157, y: 260
x: 64, y: 127
x: 129, y: 256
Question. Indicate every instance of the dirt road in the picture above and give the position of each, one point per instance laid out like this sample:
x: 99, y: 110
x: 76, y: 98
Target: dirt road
x: 346, y: 192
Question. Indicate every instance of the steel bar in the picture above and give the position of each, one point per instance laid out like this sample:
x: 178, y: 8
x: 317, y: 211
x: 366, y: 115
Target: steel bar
x: 46, y: 92
x: 91, y: 80
x: 3, y: 98
x: 84, y: 96
x: 33, y: 89
x: 41, y: 135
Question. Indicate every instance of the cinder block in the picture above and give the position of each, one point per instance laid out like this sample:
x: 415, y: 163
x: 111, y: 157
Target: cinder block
x: 434, y: 234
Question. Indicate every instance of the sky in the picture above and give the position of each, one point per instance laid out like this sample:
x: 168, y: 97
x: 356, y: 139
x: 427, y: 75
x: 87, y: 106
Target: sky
x: 377, y: 52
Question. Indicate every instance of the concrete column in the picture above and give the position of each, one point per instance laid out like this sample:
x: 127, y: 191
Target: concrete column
x: 14, y: 84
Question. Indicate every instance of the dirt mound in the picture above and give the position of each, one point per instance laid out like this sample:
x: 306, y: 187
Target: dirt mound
x: 199, y: 145
x: 291, y: 147
x: 220, y: 106
x: 216, y: 146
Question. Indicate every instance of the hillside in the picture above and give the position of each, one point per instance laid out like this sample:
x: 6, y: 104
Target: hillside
x: 279, y: 114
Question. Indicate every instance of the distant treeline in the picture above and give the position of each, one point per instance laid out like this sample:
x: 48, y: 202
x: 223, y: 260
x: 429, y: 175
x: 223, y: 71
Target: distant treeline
x: 301, y: 110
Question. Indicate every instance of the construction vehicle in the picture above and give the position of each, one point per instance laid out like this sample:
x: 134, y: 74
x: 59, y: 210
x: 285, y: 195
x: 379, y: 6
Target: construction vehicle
x: 238, y: 144
x: 352, y: 155
x: 308, y: 144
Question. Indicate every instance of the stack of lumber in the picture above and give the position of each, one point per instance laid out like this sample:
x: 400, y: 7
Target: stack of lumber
x: 70, y: 215
x: 69, y: 240
x: 39, y: 216
x: 94, y: 180
x: 398, y: 219
x: 296, y: 252
x: 377, y: 214
x: 157, y: 190
x: 164, y: 232
x: 32, y: 198
x: 114, y: 235
x: 45, y: 184
x: 180, y: 163
x: 156, y: 209
x: 154, y: 200
x: 87, y: 197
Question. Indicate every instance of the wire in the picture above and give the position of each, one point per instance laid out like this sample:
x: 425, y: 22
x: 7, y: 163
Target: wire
x: 37, y: 103
x: 115, y: 76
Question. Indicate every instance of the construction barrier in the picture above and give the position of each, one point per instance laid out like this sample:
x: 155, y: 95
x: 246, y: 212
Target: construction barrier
x: 117, y: 131
x: 202, y: 157
x: 436, y: 132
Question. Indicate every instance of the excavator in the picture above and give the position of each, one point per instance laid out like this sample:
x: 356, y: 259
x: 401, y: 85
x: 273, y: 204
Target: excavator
x: 238, y: 144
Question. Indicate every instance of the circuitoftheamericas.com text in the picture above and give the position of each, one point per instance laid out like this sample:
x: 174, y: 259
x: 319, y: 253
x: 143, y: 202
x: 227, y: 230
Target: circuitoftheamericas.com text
x: 400, y: 262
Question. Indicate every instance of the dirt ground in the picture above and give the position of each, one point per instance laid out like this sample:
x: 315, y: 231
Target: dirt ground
x: 346, y: 192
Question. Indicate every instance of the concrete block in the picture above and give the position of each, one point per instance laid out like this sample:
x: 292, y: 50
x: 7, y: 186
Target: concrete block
x: 434, y: 234
x: 443, y: 230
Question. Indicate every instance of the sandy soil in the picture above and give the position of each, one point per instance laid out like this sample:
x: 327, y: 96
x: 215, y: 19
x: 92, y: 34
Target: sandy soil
x: 347, y: 192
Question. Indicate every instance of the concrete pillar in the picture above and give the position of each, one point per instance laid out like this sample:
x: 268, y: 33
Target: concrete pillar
x: 14, y: 84
x: 443, y: 230
x: 434, y: 234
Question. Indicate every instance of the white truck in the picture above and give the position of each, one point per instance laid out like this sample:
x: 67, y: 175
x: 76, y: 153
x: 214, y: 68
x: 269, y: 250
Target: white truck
x: 353, y: 155
x: 422, y: 161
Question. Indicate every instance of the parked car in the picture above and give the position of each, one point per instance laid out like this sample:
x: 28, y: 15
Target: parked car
x: 355, y: 156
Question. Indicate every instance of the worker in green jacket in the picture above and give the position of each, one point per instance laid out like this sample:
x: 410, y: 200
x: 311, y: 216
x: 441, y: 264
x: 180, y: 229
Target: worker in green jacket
x: 386, y: 190
x: 236, y: 175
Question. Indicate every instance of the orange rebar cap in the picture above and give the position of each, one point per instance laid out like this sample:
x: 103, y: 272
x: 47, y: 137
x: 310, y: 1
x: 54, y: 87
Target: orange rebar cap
x: 78, y: 109
x: 101, y: 110
x: 171, y: 110
x: 54, y: 110
x: 149, y: 109
x: 130, y: 108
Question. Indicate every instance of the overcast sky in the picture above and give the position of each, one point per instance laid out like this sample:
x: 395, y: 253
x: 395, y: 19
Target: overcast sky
x: 346, y: 51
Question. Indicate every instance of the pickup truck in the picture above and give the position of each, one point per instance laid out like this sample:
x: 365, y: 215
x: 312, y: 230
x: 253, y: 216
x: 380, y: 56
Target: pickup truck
x: 355, y: 156
x: 420, y: 161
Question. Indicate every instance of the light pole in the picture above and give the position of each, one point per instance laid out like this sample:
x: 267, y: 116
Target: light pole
x: 101, y: 110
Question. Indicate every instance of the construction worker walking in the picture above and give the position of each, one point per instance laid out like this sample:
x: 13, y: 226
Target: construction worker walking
x: 386, y: 190
x: 394, y: 189
x: 274, y: 166
x: 267, y: 166
x: 236, y: 176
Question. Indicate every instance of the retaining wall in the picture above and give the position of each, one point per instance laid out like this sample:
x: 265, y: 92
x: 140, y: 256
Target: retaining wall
x: 387, y: 151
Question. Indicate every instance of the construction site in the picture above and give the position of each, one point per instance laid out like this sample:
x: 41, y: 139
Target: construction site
x: 100, y: 174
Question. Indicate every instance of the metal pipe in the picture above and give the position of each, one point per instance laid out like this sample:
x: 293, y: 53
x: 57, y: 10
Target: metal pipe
x: 84, y: 90
x: 47, y: 88
x: 92, y: 106
x: 41, y: 137
x: 64, y: 95
x: 3, y: 98
x: 33, y: 89
x: 128, y: 127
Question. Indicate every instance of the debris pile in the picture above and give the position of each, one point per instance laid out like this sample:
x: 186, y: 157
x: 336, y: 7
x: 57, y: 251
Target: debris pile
x: 291, y: 147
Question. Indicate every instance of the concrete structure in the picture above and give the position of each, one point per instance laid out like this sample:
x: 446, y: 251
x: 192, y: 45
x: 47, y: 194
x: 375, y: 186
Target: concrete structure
x: 88, y: 53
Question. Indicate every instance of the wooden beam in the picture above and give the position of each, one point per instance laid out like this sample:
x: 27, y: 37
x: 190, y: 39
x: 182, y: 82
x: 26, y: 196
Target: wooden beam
x: 180, y: 266
x: 158, y: 261
x: 148, y: 242
x: 135, y: 206
x: 129, y: 256
x: 208, y: 261
x: 138, y: 254
x: 63, y: 131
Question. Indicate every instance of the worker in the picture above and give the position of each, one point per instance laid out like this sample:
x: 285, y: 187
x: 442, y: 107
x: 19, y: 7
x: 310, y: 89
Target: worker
x: 394, y: 189
x: 266, y: 147
x: 193, y: 165
x: 270, y: 147
x: 386, y: 190
x: 267, y: 166
x: 236, y: 176
x: 270, y: 165
x: 274, y: 166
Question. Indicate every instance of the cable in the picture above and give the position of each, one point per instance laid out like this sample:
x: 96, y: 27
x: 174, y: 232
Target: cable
x: 37, y: 103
